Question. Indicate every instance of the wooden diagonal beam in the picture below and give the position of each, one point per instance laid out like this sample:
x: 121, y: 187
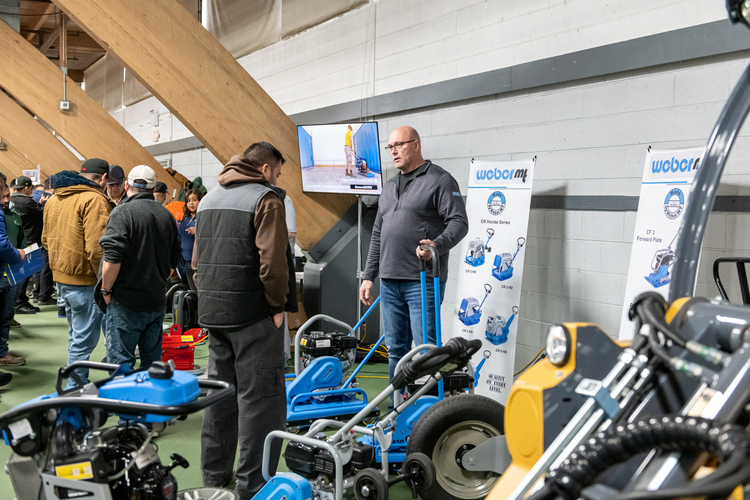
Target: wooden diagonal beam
x: 13, y: 162
x: 187, y: 69
x: 20, y: 129
x: 35, y: 81
x: 50, y: 39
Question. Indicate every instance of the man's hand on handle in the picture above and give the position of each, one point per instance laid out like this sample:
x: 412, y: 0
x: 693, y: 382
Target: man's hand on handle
x: 424, y: 254
x: 364, y: 293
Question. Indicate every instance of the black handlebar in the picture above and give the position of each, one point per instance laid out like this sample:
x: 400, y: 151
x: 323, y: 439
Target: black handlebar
x: 67, y: 371
x: 434, y: 258
x: 451, y: 357
x: 223, y: 391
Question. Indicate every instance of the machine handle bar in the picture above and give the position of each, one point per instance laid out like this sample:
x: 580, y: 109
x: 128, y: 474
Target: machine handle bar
x: 434, y: 258
x: 451, y: 357
x: 223, y: 391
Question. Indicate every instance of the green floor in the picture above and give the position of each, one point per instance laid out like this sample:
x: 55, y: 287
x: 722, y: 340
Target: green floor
x: 43, y: 340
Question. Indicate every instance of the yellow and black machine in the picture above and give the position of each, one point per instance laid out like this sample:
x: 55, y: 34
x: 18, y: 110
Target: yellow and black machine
x: 664, y: 417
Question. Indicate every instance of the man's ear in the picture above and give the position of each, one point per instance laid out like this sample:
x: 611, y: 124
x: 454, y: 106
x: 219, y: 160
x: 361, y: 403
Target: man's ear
x: 105, y: 178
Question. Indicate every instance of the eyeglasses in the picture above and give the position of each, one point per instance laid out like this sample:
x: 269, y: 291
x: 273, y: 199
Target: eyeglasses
x: 397, y: 145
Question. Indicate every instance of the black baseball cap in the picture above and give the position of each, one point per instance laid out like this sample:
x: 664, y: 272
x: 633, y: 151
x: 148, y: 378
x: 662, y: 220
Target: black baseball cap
x: 95, y: 166
x: 160, y: 188
x: 116, y: 175
x: 21, y: 182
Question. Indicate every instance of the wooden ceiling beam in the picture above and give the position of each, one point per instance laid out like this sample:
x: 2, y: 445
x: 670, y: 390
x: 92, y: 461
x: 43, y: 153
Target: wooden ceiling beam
x: 35, y: 81
x: 50, y: 39
x: 189, y: 71
x: 39, y: 22
x: 20, y: 129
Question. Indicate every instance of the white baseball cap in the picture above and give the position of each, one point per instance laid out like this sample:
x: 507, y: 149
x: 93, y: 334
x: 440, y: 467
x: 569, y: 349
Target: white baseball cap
x: 142, y: 177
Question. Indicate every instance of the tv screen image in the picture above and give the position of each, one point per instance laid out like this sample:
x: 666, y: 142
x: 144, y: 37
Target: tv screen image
x: 340, y: 158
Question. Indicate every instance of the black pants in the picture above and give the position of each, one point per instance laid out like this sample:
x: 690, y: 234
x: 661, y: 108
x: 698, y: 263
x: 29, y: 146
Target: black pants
x: 20, y: 290
x: 251, y: 358
x: 45, y: 282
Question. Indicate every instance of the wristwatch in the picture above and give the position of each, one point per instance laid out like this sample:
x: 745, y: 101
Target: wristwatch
x: 105, y: 291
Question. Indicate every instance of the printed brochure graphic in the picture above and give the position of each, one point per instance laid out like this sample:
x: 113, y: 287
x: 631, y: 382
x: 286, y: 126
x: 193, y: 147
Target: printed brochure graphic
x: 489, y: 282
x: 665, y: 191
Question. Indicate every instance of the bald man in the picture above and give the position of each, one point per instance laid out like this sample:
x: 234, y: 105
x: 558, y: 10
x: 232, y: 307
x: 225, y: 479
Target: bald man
x: 424, y: 206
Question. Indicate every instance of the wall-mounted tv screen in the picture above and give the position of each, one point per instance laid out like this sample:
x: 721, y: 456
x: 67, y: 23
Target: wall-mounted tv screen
x: 340, y: 158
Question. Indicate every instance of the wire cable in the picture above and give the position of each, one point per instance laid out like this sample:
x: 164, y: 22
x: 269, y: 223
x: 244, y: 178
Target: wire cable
x: 530, y: 363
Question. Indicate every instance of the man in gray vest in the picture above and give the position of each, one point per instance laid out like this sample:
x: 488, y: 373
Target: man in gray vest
x: 244, y: 272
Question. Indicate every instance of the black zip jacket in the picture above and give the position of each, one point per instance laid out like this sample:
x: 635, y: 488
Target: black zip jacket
x: 142, y: 236
x: 430, y: 207
x: 32, y: 216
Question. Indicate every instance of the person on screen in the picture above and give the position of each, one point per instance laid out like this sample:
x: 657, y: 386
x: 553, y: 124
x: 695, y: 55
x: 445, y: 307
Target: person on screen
x: 424, y: 207
x: 349, y: 152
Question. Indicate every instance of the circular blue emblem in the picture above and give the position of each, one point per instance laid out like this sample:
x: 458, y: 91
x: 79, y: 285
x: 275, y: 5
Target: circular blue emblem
x: 674, y: 203
x: 496, y: 203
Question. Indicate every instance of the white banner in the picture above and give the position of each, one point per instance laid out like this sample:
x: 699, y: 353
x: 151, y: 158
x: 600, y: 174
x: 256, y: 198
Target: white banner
x: 489, y: 283
x: 665, y: 189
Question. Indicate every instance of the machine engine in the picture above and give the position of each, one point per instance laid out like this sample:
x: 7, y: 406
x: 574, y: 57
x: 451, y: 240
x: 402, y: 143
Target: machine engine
x: 122, y: 458
x: 340, y: 345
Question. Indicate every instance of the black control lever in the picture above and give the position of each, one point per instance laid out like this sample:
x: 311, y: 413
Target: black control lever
x: 178, y: 461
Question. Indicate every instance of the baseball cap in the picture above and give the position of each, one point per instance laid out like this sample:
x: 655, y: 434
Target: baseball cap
x: 116, y: 175
x: 142, y: 177
x: 21, y: 182
x: 95, y: 166
x: 160, y: 188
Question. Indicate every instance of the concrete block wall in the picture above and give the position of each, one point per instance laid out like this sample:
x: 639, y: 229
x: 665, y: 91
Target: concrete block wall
x: 417, y: 42
x: 590, y: 138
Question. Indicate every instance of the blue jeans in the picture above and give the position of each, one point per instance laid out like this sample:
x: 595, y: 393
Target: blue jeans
x: 7, y: 310
x: 84, y: 324
x: 127, y: 329
x: 401, y: 306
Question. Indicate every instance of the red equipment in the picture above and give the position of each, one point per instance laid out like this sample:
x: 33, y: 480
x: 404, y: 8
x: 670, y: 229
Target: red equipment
x: 180, y: 347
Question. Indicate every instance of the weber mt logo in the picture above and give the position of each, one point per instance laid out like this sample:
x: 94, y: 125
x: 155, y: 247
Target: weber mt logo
x: 674, y: 165
x: 502, y: 174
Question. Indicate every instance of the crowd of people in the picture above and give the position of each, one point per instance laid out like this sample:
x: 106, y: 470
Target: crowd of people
x: 111, y: 245
x: 71, y: 219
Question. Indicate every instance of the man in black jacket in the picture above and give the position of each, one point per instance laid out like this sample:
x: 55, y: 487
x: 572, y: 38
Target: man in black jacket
x: 32, y: 217
x: 141, y: 247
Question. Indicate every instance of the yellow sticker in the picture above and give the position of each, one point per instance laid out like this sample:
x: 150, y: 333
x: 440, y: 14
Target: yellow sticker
x: 187, y: 338
x: 76, y: 472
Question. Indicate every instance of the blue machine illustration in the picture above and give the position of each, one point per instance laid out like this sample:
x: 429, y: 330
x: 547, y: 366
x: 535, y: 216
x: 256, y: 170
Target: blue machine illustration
x: 502, y: 267
x: 477, y: 249
x: 471, y: 310
x: 661, y: 265
x: 498, y: 328
x: 477, y: 372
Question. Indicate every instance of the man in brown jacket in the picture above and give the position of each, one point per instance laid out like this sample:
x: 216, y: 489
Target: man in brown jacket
x: 244, y: 267
x: 74, y: 220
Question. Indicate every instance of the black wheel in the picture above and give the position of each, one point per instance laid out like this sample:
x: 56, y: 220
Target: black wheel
x: 423, y: 469
x: 445, y: 432
x: 370, y: 484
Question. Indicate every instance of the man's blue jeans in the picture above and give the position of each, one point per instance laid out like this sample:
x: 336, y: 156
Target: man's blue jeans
x: 401, y: 306
x: 7, y: 310
x: 127, y: 329
x: 84, y: 324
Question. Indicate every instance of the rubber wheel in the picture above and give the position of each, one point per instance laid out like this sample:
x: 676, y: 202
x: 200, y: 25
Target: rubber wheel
x: 370, y: 484
x: 448, y: 428
x: 420, y: 465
